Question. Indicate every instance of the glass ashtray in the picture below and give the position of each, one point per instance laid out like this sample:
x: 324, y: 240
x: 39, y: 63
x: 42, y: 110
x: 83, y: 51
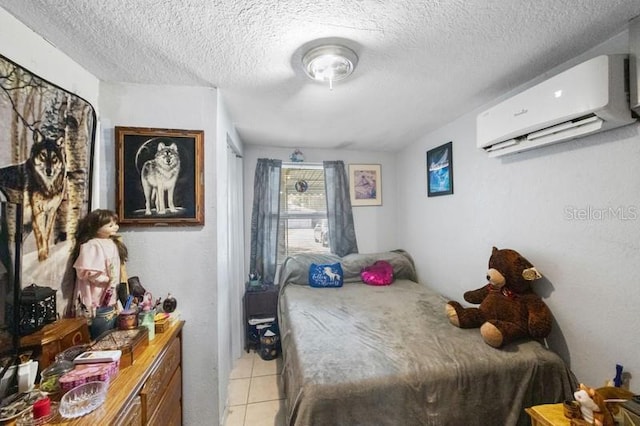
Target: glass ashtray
x: 50, y: 376
x: 83, y: 399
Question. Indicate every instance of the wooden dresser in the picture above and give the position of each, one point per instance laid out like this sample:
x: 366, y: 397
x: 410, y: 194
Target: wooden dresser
x: 148, y: 392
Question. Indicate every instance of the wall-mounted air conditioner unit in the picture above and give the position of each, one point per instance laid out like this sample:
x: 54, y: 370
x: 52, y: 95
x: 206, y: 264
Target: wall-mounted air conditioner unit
x: 634, y: 63
x: 582, y: 100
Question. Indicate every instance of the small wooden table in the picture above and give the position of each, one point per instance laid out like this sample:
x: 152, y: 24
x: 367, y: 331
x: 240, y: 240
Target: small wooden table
x: 548, y: 415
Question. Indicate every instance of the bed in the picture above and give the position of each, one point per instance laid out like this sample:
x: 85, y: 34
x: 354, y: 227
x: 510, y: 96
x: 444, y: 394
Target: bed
x: 367, y: 355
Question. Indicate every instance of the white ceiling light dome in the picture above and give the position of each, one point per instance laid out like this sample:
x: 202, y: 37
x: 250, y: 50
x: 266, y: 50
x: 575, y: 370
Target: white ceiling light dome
x: 330, y: 62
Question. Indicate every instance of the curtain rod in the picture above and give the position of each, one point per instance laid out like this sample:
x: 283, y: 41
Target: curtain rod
x: 301, y: 164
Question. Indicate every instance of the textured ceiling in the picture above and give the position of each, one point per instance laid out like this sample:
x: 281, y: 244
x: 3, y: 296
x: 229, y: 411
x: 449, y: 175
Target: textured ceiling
x: 422, y: 63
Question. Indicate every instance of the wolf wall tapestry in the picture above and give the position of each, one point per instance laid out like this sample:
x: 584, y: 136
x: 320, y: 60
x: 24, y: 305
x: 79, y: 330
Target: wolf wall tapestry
x: 46, y: 149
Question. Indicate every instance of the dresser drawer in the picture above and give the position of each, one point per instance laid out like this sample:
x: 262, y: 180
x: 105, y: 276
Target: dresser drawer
x: 131, y: 414
x: 156, y: 384
x: 169, y: 411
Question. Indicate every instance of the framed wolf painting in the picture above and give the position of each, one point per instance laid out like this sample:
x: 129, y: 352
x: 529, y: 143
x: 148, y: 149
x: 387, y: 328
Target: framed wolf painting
x: 160, y: 176
x: 46, y: 149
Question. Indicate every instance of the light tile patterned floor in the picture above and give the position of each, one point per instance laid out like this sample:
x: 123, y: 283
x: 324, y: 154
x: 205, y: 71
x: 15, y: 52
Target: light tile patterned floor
x: 256, y: 397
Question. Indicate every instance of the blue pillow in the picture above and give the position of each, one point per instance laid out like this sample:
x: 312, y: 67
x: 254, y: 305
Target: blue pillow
x: 326, y: 275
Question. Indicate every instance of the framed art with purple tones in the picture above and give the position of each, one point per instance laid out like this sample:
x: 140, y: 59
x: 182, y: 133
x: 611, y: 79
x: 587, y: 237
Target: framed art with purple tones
x: 365, y: 184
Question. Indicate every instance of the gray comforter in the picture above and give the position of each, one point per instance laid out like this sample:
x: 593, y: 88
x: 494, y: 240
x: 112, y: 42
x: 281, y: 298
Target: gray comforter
x: 365, y: 355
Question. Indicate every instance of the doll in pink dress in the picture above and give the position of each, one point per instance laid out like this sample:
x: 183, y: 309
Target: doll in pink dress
x: 99, y: 257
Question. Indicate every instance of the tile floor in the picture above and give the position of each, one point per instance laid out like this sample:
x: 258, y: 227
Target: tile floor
x: 256, y: 397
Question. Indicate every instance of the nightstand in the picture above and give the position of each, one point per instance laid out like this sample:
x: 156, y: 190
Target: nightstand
x: 258, y: 305
x: 548, y: 415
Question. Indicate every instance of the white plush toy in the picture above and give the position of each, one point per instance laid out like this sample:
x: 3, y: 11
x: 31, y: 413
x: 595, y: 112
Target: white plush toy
x: 587, y: 405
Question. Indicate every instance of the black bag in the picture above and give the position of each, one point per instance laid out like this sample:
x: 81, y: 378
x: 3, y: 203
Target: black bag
x: 37, y: 309
x: 270, y: 342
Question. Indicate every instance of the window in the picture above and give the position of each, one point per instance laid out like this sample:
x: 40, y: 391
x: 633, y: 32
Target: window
x: 303, y: 210
x: 285, y: 215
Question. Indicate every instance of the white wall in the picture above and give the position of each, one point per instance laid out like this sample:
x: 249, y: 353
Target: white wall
x: 525, y: 202
x: 180, y: 260
x: 29, y: 50
x: 375, y: 225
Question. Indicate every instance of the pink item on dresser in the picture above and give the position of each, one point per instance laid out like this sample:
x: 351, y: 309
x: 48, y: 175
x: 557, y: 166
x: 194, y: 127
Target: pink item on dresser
x: 83, y: 373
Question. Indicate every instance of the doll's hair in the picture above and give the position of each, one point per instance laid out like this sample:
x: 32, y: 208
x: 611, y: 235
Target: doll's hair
x: 88, y: 228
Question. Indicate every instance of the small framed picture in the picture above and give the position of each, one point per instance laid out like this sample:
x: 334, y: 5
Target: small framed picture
x: 365, y: 184
x: 160, y: 176
x: 440, y: 170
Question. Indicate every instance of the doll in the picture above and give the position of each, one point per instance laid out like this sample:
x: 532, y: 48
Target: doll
x: 98, y: 258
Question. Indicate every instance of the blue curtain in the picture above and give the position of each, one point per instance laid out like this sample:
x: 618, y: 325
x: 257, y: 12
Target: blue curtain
x: 342, y: 234
x: 265, y: 218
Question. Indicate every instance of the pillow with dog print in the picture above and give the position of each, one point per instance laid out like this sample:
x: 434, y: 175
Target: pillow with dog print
x: 328, y: 275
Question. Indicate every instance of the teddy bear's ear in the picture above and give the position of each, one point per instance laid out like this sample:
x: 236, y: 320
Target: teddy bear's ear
x: 494, y: 250
x: 531, y: 274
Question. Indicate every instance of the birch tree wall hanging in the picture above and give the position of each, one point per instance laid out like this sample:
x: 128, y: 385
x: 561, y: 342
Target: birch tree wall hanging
x: 46, y: 149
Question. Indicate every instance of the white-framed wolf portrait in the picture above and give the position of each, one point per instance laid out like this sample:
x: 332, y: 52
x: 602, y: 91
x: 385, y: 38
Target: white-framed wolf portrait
x: 160, y: 176
x: 47, y: 139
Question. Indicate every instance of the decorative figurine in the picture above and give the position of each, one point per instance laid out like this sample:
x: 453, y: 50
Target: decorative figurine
x: 99, y: 257
x: 170, y: 304
x: 297, y: 156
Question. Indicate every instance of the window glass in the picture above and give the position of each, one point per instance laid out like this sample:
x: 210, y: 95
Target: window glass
x: 303, y: 211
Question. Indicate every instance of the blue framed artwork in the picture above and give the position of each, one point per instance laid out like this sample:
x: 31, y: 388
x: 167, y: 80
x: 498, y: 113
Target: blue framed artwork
x: 440, y: 170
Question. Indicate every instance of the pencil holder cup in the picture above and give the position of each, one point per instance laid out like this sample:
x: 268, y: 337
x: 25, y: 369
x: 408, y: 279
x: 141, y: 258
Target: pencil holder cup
x: 128, y: 319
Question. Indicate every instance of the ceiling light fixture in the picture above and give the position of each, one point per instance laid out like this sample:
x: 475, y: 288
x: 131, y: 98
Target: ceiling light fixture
x: 329, y: 63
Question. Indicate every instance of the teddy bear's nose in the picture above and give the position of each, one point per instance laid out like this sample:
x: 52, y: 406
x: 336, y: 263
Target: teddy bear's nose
x: 488, y: 277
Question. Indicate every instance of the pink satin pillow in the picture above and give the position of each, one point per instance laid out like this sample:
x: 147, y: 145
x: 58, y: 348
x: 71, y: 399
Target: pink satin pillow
x: 380, y: 273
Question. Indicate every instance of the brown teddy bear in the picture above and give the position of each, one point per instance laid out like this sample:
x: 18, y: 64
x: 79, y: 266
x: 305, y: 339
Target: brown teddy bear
x: 508, y: 309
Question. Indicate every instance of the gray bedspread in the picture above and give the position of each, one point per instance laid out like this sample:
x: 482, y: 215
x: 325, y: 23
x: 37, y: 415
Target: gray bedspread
x: 365, y: 355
